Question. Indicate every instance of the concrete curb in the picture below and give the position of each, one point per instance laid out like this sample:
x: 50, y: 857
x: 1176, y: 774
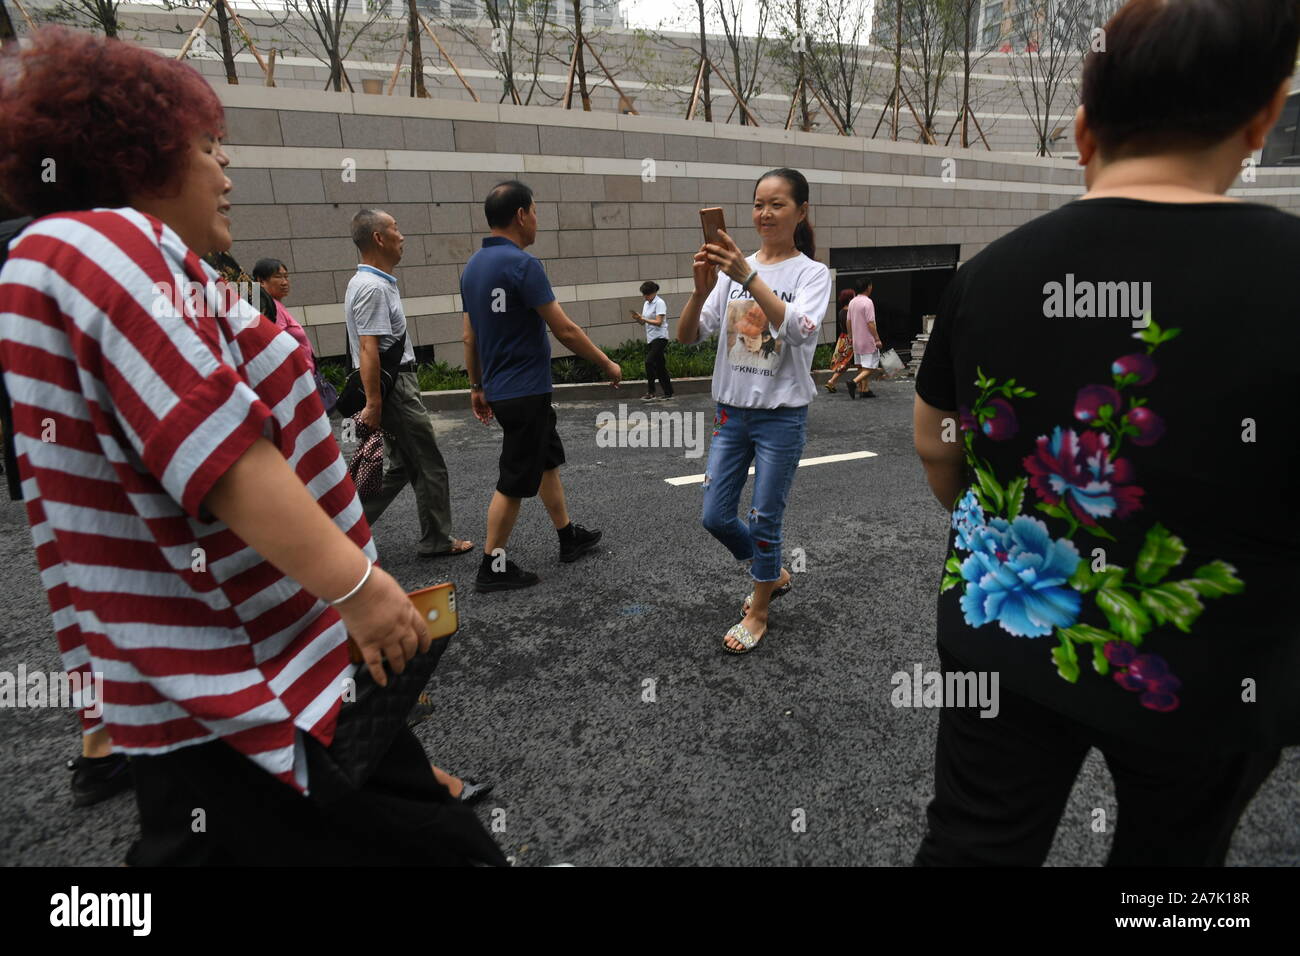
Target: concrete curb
x: 454, y: 399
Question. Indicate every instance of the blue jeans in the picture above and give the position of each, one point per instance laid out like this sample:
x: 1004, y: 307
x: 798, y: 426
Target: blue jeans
x: 772, y: 439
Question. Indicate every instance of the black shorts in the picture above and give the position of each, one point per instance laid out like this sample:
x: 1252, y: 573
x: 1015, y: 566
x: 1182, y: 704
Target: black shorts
x: 531, y: 446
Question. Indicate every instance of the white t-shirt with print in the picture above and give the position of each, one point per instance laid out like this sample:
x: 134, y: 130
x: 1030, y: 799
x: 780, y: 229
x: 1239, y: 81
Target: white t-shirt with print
x: 758, y: 366
x: 649, y: 310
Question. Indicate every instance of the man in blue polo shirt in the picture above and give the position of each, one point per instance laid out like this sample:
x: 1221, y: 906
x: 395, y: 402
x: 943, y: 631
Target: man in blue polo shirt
x: 508, y: 307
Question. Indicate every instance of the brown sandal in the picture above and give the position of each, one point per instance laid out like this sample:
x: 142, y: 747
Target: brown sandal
x: 460, y: 547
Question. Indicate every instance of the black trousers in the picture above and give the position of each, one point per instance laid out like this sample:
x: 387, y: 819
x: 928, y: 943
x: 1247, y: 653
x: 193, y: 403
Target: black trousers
x: 209, y: 805
x: 1001, y: 785
x: 656, y: 366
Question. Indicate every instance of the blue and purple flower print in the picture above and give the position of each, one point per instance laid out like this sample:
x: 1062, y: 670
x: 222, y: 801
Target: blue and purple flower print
x: 1019, y: 576
x: 1013, y: 573
x: 1076, y: 471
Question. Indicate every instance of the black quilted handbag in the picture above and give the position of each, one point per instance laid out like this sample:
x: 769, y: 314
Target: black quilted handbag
x: 368, y: 725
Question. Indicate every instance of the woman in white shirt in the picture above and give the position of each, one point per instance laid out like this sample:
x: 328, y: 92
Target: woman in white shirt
x: 769, y: 309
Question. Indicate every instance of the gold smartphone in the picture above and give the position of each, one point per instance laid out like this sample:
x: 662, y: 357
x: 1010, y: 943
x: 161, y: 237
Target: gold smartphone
x: 437, y: 606
x: 712, y: 220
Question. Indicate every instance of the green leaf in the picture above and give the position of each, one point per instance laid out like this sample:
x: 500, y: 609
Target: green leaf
x: 1125, y: 614
x: 992, y: 490
x: 1160, y: 552
x: 950, y: 581
x: 1086, y: 580
x: 1067, y: 661
x: 1104, y: 412
x: 1171, y: 334
x: 1098, y: 531
x: 1086, y: 633
x: 952, y: 565
x: 1015, y: 497
x: 1026, y: 393
x: 1215, y: 580
x: 1099, y: 662
x: 1150, y: 334
x: 1112, y: 576
x: 1174, y: 601
x: 1056, y: 511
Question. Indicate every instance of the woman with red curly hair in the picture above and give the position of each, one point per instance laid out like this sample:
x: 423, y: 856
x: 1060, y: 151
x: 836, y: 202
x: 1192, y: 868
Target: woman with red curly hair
x: 198, y: 536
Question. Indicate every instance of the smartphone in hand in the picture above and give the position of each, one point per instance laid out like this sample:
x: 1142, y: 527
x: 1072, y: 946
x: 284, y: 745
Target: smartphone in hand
x: 437, y: 607
x: 713, y: 221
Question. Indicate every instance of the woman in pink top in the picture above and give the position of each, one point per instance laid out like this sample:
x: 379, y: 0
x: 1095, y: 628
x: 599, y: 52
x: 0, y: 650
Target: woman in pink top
x: 274, y: 277
x: 866, y: 340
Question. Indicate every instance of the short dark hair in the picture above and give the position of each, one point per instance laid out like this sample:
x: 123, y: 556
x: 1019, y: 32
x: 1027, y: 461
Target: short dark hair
x: 365, y: 224
x: 111, y: 119
x: 504, y: 201
x: 263, y: 269
x: 649, y: 288
x: 863, y: 284
x: 1186, y: 75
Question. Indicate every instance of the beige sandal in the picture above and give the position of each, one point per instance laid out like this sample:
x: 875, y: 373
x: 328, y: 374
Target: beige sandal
x: 747, y: 640
x: 776, y: 593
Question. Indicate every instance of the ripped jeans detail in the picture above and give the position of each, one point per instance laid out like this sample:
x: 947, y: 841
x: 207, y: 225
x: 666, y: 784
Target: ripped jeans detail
x: 771, y: 439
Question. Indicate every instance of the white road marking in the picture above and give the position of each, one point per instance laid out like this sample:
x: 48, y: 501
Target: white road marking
x: 823, y: 460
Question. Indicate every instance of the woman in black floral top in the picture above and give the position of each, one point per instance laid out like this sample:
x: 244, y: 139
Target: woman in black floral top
x: 1124, y: 544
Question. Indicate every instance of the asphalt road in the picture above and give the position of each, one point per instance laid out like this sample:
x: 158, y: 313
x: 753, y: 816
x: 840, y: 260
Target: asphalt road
x: 546, y: 691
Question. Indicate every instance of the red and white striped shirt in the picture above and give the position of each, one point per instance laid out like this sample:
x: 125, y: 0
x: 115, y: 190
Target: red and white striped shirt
x: 127, y: 410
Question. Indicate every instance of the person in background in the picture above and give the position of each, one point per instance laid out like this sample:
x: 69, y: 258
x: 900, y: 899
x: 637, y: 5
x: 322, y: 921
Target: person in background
x: 654, y: 316
x: 1125, y: 550
x: 842, y: 357
x: 509, y: 305
x: 769, y: 307
x: 178, y: 417
x: 376, y: 329
x: 273, y: 276
x: 866, y: 340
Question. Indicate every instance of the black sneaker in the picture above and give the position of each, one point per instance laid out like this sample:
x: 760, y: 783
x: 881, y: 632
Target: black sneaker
x: 577, y: 544
x: 95, y: 779
x: 853, y: 389
x: 868, y: 394
x: 511, y: 579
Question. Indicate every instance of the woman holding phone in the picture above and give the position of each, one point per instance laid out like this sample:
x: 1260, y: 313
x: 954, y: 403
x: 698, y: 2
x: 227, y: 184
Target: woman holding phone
x: 768, y: 308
